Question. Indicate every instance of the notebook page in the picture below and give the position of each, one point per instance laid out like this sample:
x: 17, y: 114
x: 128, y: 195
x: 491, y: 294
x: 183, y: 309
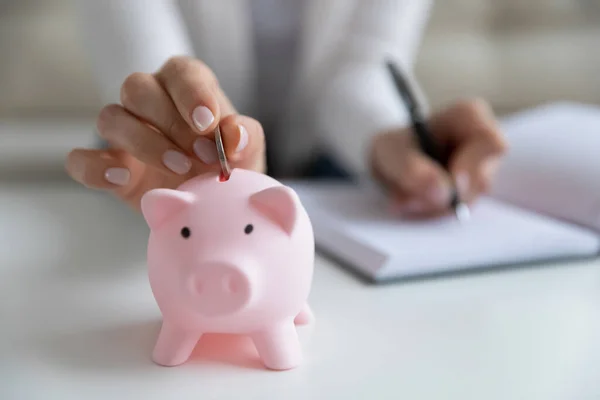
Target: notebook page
x: 497, y: 234
x: 553, y: 166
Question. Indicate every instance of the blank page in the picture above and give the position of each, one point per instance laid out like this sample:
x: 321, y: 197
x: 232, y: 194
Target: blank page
x: 553, y: 165
x: 355, y: 225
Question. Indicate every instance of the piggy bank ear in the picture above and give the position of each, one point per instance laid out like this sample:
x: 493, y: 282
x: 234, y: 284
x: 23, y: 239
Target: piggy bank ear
x: 279, y: 204
x: 159, y: 204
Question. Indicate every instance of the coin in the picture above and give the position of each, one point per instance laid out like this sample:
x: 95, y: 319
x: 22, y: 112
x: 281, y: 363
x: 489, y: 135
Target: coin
x: 225, y: 169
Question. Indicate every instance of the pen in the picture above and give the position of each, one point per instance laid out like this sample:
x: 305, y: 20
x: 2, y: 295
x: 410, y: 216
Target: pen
x: 424, y: 136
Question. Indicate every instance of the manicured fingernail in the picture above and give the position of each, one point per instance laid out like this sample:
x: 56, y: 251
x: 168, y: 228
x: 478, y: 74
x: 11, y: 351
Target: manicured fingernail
x: 243, y: 141
x: 177, y: 162
x: 203, y: 117
x: 117, y: 176
x: 462, y: 183
x: 206, y: 150
x: 439, y: 194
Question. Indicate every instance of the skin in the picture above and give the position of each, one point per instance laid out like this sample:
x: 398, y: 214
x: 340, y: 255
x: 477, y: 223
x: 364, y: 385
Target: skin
x: 470, y: 136
x: 156, y: 115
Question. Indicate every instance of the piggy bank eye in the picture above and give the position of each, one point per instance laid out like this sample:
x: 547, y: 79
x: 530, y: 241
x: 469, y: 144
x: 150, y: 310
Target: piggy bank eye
x: 185, y: 232
x: 248, y: 229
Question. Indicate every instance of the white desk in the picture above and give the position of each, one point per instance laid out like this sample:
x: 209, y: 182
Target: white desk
x: 78, y: 321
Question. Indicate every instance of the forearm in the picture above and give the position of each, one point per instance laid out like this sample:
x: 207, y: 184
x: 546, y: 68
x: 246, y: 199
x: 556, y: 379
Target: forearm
x: 121, y: 37
x: 357, y: 99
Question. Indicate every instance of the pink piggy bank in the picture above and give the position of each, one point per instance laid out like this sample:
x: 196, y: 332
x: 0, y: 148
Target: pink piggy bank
x: 234, y: 256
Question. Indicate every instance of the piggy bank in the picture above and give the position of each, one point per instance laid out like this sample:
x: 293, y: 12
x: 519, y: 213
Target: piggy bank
x: 230, y: 256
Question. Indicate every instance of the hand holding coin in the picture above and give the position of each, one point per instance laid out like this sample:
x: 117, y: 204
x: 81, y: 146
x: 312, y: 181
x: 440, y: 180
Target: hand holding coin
x: 162, y: 134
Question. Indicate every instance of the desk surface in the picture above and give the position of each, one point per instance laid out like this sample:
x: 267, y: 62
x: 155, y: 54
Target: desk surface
x: 79, y: 321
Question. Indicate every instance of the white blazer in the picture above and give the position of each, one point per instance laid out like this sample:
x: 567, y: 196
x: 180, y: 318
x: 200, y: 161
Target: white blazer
x: 342, y: 94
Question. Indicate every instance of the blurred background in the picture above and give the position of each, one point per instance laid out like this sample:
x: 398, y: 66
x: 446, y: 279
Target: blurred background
x: 515, y: 53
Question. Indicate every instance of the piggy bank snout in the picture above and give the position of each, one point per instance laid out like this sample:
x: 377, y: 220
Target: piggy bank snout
x: 219, y: 289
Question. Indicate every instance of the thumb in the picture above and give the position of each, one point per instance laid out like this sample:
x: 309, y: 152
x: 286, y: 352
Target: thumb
x: 244, y: 142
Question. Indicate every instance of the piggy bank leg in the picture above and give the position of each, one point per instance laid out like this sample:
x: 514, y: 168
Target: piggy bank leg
x: 174, y: 345
x: 279, y: 347
x: 305, y: 316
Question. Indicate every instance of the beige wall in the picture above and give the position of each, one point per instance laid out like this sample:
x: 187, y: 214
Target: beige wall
x: 42, y: 67
x: 516, y: 53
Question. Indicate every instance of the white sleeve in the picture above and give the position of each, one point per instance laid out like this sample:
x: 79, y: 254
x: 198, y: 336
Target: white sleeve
x: 356, y: 98
x: 122, y: 37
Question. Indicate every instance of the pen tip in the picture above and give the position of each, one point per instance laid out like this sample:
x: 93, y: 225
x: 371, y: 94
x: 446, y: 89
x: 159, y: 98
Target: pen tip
x: 463, y: 214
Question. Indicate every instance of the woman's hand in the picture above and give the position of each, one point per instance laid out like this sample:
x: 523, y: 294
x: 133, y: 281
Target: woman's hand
x: 471, y: 138
x: 162, y: 133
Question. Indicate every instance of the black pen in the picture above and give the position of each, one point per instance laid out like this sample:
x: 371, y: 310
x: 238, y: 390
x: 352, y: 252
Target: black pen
x: 423, y: 134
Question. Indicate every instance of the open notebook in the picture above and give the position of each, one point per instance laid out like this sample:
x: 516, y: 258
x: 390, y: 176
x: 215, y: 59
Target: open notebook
x: 545, y: 205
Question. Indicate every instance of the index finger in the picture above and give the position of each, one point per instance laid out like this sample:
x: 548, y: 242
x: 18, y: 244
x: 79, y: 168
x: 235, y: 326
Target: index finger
x: 466, y: 121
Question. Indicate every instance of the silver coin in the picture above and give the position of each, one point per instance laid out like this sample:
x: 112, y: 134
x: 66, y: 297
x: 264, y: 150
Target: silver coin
x: 221, y: 153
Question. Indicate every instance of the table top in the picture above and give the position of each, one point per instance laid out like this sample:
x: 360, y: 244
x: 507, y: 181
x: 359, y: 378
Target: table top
x: 79, y: 321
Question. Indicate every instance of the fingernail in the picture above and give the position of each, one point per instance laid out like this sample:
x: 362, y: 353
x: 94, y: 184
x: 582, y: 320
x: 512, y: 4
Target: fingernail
x: 117, y: 176
x: 177, y: 162
x: 439, y: 194
x: 243, y: 142
x: 206, y: 150
x: 462, y: 183
x: 203, y: 117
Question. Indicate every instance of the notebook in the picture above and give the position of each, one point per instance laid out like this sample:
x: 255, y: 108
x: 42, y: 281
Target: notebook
x: 544, y: 206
